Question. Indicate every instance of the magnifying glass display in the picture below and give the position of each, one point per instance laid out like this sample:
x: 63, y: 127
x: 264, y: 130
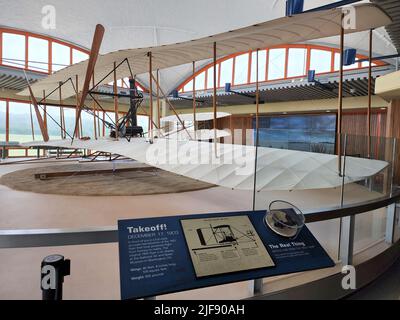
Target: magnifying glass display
x: 284, y: 219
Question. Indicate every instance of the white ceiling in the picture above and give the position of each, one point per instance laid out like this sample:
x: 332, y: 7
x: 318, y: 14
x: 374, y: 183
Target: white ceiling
x: 144, y: 23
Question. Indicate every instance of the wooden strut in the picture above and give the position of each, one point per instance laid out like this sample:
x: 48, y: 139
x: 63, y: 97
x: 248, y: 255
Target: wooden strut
x: 116, y: 101
x: 77, y: 116
x: 257, y: 133
x: 194, y: 101
x: 369, y: 111
x: 340, y: 101
x: 45, y: 111
x: 149, y: 54
x: 32, y: 129
x: 158, y: 102
x: 94, y: 53
x: 171, y: 106
x: 42, y: 127
x: 62, y: 120
x: 215, y: 98
x: 94, y: 106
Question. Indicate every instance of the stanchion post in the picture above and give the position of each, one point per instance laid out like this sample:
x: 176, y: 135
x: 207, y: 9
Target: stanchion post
x: 53, y: 270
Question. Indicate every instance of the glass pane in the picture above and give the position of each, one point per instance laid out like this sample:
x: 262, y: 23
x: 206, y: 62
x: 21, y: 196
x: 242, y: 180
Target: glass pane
x: 262, y: 64
x: 60, y: 56
x: 200, y: 79
x: 320, y: 61
x: 210, y: 77
x: 226, y: 72
x: 297, y: 62
x: 276, y: 64
x: 337, y: 63
x: 78, y: 56
x: 69, y: 116
x: 2, y: 121
x: 143, y: 121
x: 188, y: 87
x: 14, y: 50
x: 38, y: 54
x: 241, y: 69
x: 52, y: 127
x: 87, y: 125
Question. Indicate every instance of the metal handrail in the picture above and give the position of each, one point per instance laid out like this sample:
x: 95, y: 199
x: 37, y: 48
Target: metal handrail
x: 29, y: 238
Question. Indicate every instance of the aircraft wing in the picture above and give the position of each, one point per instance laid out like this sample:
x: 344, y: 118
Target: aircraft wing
x: 234, y: 165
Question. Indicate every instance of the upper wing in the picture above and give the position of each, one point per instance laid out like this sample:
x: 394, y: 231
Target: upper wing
x: 298, y: 28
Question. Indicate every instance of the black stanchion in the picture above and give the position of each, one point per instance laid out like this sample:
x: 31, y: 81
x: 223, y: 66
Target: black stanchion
x: 53, y: 270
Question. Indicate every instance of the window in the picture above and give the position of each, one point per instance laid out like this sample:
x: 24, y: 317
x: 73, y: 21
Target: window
x: 70, y: 117
x: 188, y: 87
x: 14, y: 50
x: 241, y: 69
x: 3, y: 110
x: 87, y: 124
x: 78, y: 56
x: 200, y: 79
x: 337, y: 63
x: 210, y: 77
x: 38, y: 54
x: 262, y: 64
x: 226, y: 72
x: 321, y: 61
x: 297, y: 62
x: 143, y: 121
x: 53, y: 128
x: 61, y: 56
x: 276, y: 64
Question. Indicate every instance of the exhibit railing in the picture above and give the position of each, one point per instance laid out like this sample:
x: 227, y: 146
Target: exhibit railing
x: 347, y: 219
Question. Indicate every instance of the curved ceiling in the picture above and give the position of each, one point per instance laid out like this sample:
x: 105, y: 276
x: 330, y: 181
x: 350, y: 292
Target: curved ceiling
x: 144, y: 23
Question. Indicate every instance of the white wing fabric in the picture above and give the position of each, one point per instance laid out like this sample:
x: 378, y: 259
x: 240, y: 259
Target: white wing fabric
x: 233, y: 166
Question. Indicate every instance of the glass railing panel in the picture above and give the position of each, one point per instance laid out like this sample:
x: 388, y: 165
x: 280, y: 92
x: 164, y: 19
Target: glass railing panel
x: 370, y: 229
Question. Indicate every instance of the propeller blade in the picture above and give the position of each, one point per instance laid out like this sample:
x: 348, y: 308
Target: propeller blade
x: 94, y: 53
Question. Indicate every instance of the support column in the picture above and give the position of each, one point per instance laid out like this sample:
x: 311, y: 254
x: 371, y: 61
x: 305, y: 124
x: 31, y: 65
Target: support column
x: 77, y: 133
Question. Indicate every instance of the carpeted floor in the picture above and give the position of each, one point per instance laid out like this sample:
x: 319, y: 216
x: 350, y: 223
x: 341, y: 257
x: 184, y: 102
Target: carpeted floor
x: 101, y: 184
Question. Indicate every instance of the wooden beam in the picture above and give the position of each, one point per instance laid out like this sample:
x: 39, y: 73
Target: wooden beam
x: 94, y: 53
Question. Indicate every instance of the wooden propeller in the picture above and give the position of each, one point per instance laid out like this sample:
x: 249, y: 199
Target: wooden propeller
x: 94, y: 53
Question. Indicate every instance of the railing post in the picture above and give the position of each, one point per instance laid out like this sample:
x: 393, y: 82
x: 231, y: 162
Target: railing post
x: 390, y: 223
x: 53, y: 270
x: 256, y: 286
x: 347, y: 240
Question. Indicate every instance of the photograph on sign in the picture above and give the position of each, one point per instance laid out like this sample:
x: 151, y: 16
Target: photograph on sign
x: 224, y: 245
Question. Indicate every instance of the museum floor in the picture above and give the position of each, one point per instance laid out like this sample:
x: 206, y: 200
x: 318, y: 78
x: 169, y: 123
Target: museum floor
x: 95, y: 267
